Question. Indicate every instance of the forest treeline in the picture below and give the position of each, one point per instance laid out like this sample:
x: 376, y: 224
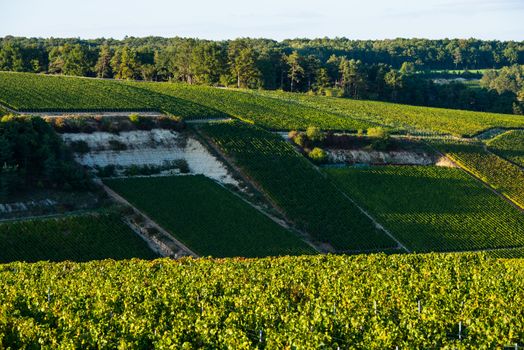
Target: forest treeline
x: 387, y: 70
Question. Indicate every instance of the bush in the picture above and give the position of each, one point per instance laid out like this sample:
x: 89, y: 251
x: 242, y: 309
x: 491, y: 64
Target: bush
x: 116, y: 145
x: 80, y: 146
x: 182, y: 165
x: 318, y: 155
x: 43, y: 157
x: 300, y: 140
x: 141, y: 123
x: 381, y: 138
x: 314, y: 134
x: 378, y: 132
x: 169, y: 122
x: 134, y: 118
x: 107, y: 171
x: 292, y: 134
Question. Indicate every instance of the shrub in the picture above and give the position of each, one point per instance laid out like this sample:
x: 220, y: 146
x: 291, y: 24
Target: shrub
x: 116, y: 145
x: 300, y: 140
x: 59, y: 124
x: 292, y: 134
x: 169, y: 122
x: 105, y: 125
x: 381, y: 138
x: 134, y: 118
x: 314, y: 134
x: 318, y: 155
x: 378, y: 132
x: 182, y: 165
x: 107, y: 171
x: 80, y: 146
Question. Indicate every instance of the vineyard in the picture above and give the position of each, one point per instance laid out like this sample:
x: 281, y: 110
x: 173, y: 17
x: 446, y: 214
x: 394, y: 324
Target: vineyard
x: 457, y: 301
x: 505, y: 177
x: 304, y: 194
x: 268, y: 112
x: 38, y: 93
x: 208, y: 218
x: 403, y: 117
x: 434, y: 208
x: 509, y: 145
x: 76, y: 238
x: 270, y: 109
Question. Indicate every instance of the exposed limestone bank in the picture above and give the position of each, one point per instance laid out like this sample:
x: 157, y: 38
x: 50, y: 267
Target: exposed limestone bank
x: 344, y: 156
x: 157, y: 147
x: 25, y: 206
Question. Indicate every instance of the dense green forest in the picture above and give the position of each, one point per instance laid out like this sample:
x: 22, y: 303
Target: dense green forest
x: 379, y: 70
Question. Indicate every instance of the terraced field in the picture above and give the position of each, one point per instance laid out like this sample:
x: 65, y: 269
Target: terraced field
x: 76, y: 238
x: 503, y: 176
x: 509, y: 145
x: 209, y: 219
x: 303, y: 193
x: 434, y: 208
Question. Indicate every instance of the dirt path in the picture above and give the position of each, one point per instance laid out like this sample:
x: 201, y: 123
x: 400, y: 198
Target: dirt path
x: 182, y: 247
x: 208, y: 120
x: 147, y: 113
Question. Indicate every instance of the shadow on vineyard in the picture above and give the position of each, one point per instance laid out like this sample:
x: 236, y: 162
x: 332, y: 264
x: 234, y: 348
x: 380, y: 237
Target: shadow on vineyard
x: 228, y: 188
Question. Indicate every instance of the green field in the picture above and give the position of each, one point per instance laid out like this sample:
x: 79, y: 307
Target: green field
x: 206, y: 217
x: 509, y: 145
x: 434, y: 208
x: 403, y: 117
x: 268, y: 112
x: 301, y: 191
x: 503, y: 176
x: 76, y: 238
x: 361, y: 302
x: 271, y: 109
x: 34, y: 93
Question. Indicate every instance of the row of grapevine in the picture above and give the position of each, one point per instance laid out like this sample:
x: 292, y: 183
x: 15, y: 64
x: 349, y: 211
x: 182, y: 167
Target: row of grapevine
x: 208, y: 218
x: 434, y: 208
x: 40, y: 93
x: 404, y: 117
x: 268, y: 112
x: 503, y: 176
x: 305, y: 195
x: 509, y: 145
x: 271, y: 109
x: 454, y: 301
x: 78, y: 238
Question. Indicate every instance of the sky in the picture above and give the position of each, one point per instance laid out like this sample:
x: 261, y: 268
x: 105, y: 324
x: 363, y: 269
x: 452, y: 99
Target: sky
x: 274, y: 19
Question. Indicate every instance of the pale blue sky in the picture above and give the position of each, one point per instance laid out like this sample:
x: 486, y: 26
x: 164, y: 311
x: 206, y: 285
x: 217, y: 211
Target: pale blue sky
x: 276, y: 19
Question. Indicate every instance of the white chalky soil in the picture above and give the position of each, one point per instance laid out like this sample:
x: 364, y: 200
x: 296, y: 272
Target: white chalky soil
x: 153, y: 147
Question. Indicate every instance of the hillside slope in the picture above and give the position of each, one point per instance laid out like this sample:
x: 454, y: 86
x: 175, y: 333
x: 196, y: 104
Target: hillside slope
x: 271, y: 109
x: 365, y: 302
